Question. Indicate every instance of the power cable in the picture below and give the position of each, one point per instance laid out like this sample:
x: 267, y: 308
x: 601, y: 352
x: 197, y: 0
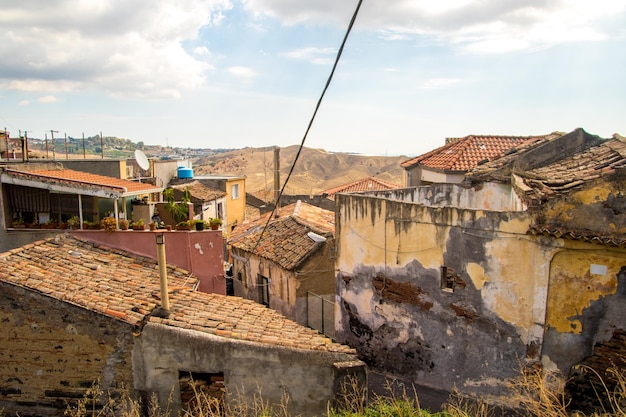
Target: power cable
x: 306, y: 133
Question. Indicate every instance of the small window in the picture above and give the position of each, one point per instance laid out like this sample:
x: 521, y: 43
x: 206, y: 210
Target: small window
x: 234, y: 191
x: 264, y: 286
x: 198, y: 388
x: 448, y: 278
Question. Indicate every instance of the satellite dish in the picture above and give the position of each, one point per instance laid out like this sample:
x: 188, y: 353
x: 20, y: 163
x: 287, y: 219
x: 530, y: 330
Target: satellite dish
x: 141, y: 159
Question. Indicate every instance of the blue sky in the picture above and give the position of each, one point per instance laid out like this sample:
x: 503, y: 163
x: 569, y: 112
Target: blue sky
x: 231, y: 74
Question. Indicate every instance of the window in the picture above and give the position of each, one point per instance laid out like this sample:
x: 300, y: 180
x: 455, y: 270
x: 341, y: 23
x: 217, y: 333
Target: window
x: 264, y: 286
x: 220, y: 211
x: 234, y: 191
x: 448, y: 278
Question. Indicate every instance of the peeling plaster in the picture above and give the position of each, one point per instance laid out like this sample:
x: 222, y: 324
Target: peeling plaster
x: 477, y: 274
x: 566, y: 302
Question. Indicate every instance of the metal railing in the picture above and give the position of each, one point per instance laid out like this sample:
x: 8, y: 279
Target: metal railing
x: 321, y: 314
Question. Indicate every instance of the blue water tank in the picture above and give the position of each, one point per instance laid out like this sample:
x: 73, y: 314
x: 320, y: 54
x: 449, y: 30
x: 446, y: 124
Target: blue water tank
x: 185, y: 172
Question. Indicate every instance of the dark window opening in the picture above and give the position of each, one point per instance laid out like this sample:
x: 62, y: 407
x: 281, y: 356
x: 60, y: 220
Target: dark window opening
x: 264, y: 286
x: 448, y: 278
x: 199, y: 390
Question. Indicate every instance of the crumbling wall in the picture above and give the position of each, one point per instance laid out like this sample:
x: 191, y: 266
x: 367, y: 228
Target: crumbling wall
x: 51, y: 352
x: 443, y: 296
x: 312, y: 379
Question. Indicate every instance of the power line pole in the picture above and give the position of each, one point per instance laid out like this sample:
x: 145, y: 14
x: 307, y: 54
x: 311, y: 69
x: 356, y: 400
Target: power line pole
x: 52, y: 132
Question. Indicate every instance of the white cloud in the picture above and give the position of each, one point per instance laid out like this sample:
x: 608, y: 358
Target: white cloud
x: 47, y: 99
x: 23, y: 103
x: 129, y: 49
x: 320, y: 56
x: 440, y: 82
x: 242, y: 72
x: 487, y: 26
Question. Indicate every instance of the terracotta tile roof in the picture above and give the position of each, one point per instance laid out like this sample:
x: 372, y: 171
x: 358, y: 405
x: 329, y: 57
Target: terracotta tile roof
x: 570, y: 168
x: 286, y: 239
x: 463, y: 154
x: 579, y: 168
x: 79, y: 179
x: 362, y: 185
x: 582, y: 235
x: 199, y: 191
x: 126, y: 287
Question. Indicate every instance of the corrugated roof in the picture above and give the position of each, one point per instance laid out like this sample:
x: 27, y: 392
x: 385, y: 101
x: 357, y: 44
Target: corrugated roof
x: 286, y: 239
x: 463, y: 154
x: 126, y: 287
x: 362, y: 185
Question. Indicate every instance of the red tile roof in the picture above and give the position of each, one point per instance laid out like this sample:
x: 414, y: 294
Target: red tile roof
x: 79, y: 179
x: 362, y: 185
x: 126, y: 287
x: 286, y: 239
x: 463, y: 154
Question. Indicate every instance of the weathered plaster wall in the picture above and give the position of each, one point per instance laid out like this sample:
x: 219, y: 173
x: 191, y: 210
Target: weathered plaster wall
x: 518, y: 298
x: 310, y: 379
x: 586, y: 303
x: 393, y: 309
x: 288, y: 289
x: 489, y: 196
x: 52, y: 352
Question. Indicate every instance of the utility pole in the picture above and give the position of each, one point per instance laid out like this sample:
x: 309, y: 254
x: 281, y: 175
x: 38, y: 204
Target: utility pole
x: 66, y: 156
x: 52, y: 132
x: 47, y: 157
x: 24, y: 140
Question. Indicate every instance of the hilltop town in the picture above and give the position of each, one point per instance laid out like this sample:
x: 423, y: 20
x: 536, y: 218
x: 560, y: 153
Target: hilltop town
x: 456, y: 270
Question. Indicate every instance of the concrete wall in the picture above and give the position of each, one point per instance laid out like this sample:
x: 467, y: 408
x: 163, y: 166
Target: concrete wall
x: 200, y: 253
x: 509, y: 289
x: 108, y: 167
x: 310, y: 378
x: 52, y: 352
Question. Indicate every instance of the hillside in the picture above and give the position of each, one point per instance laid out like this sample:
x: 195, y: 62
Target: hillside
x: 315, y: 171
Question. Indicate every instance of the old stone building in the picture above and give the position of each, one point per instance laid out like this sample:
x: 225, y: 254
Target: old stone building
x: 287, y: 263
x: 73, y: 313
x: 461, y: 285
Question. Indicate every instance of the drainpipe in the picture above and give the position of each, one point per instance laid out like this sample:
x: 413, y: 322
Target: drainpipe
x: 165, y: 300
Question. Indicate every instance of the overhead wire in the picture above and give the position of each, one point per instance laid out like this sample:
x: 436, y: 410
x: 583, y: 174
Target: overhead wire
x: 306, y: 133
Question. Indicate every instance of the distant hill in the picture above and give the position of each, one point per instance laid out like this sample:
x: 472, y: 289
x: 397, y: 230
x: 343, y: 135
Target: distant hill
x: 315, y: 171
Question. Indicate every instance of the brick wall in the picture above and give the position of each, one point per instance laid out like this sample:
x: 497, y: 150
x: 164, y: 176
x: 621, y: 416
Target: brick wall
x: 52, y: 352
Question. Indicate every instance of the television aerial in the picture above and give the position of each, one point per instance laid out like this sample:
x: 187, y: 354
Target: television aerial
x: 142, y: 160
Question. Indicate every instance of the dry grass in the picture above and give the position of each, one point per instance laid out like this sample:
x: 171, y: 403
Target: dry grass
x: 536, y: 393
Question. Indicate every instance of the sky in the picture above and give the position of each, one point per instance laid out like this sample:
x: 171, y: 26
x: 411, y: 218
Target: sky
x: 248, y: 73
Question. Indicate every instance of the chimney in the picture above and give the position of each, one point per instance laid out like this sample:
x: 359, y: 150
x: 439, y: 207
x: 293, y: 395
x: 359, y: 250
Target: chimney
x: 165, y: 298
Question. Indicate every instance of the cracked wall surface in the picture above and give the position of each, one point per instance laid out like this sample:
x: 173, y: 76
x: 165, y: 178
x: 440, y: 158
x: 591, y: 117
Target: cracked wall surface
x: 507, y: 299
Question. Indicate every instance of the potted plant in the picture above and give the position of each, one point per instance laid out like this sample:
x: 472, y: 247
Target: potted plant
x: 108, y: 224
x: 139, y: 225
x: 50, y: 224
x: 215, y: 223
x: 73, y: 222
x: 183, y: 225
x: 18, y: 223
x: 199, y: 224
x: 124, y: 224
x: 179, y: 210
